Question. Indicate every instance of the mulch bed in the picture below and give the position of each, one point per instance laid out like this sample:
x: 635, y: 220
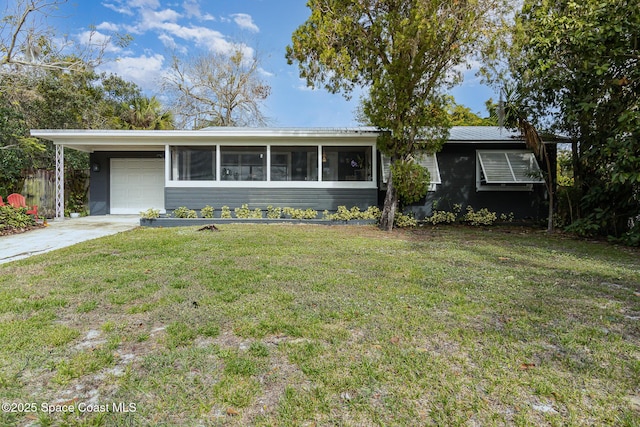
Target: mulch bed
x: 10, y: 231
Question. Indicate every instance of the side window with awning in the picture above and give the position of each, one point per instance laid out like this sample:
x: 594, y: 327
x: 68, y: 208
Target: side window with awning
x: 428, y: 161
x: 507, y: 170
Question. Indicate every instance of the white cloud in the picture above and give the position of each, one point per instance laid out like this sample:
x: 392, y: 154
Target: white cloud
x: 245, y: 22
x: 119, y: 8
x: 96, y: 39
x: 265, y: 73
x: 152, y: 19
x: 192, y: 8
x: 145, y: 71
x: 108, y: 26
x: 168, y: 41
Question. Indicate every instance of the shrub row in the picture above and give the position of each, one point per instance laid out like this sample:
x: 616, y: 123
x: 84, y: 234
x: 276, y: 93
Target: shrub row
x: 342, y: 214
x: 472, y: 217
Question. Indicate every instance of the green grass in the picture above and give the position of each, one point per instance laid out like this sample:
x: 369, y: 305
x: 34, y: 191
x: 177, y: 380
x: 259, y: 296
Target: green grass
x: 306, y: 325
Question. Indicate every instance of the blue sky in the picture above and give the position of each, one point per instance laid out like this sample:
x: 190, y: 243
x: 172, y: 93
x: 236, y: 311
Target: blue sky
x: 190, y: 27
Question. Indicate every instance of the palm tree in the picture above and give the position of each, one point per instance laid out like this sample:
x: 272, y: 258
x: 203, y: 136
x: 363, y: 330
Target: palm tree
x: 147, y: 113
x: 510, y: 115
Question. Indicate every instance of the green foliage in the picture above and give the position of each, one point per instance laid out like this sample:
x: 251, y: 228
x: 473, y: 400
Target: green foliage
x: 577, y: 67
x: 344, y: 214
x: 225, y: 213
x: 15, y: 218
x: 184, y: 212
x: 404, y: 53
x: 243, y: 211
x: 444, y: 217
x: 294, y: 213
x: 463, y: 116
x: 411, y: 180
x: 150, y: 213
x: 481, y: 217
x: 273, y: 213
x: 207, y: 212
x: 55, y: 99
x: 405, y: 221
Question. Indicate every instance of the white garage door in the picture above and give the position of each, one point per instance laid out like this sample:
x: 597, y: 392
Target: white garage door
x: 136, y: 185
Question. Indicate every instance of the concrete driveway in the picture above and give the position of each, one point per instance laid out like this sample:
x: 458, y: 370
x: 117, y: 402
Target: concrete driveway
x: 62, y: 233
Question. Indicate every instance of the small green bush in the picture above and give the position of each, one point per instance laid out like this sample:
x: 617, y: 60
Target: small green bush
x: 257, y: 213
x: 14, y: 218
x: 207, y: 212
x: 150, y: 213
x: 344, y: 214
x: 274, y: 213
x: 444, y: 217
x: 184, y: 212
x: 300, y: 213
x: 243, y: 211
x: 225, y: 212
x: 481, y: 217
x: 507, y: 218
x: 405, y: 221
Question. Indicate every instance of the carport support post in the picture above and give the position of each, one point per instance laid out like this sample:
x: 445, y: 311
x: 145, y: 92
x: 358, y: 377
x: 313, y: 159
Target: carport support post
x: 59, y: 182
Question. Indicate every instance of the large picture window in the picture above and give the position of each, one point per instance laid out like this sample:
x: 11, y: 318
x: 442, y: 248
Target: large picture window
x: 243, y: 163
x: 294, y: 163
x: 346, y: 164
x: 193, y: 163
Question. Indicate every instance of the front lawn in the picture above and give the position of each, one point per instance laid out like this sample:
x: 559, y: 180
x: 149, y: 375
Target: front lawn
x: 314, y: 325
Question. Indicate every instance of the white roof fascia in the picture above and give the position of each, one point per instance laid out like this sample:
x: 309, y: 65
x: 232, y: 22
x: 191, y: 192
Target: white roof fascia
x: 131, y: 140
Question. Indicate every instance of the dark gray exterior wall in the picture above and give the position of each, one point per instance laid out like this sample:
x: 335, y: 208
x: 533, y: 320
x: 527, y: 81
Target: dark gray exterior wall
x: 457, y: 163
x: 99, y: 186
x: 299, y: 198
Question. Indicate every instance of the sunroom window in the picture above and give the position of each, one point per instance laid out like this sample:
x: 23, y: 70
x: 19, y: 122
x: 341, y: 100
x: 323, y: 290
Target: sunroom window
x: 294, y: 163
x: 346, y: 164
x: 193, y: 163
x: 243, y: 163
x: 508, y: 170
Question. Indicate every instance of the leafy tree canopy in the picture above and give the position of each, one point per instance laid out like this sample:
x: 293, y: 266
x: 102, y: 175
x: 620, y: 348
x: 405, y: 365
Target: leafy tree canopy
x: 577, y: 67
x: 404, y: 53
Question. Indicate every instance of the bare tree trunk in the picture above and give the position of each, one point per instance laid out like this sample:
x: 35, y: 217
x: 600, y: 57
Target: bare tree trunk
x: 390, y: 206
x: 550, y: 180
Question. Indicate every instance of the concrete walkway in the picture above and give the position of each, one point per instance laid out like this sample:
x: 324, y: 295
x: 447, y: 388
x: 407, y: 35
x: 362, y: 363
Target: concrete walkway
x: 62, y: 233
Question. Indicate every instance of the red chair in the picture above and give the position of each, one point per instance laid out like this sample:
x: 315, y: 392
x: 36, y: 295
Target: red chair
x: 1, y: 202
x: 17, y: 201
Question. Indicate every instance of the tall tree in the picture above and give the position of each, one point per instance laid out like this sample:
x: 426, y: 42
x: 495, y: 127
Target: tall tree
x: 405, y: 53
x: 217, y: 90
x: 577, y: 66
x: 52, y: 98
x: 27, y: 41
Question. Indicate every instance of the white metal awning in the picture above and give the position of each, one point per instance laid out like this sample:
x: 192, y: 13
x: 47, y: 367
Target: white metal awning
x: 509, y: 167
x: 428, y: 161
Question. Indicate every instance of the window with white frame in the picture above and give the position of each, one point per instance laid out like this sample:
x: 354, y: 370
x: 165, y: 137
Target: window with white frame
x: 428, y: 161
x: 193, y: 163
x: 294, y: 163
x: 243, y: 163
x: 506, y: 170
x: 346, y: 163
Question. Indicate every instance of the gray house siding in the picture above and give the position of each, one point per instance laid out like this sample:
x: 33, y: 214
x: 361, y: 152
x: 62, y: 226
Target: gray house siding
x: 100, y: 182
x: 457, y: 163
x: 300, y: 198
